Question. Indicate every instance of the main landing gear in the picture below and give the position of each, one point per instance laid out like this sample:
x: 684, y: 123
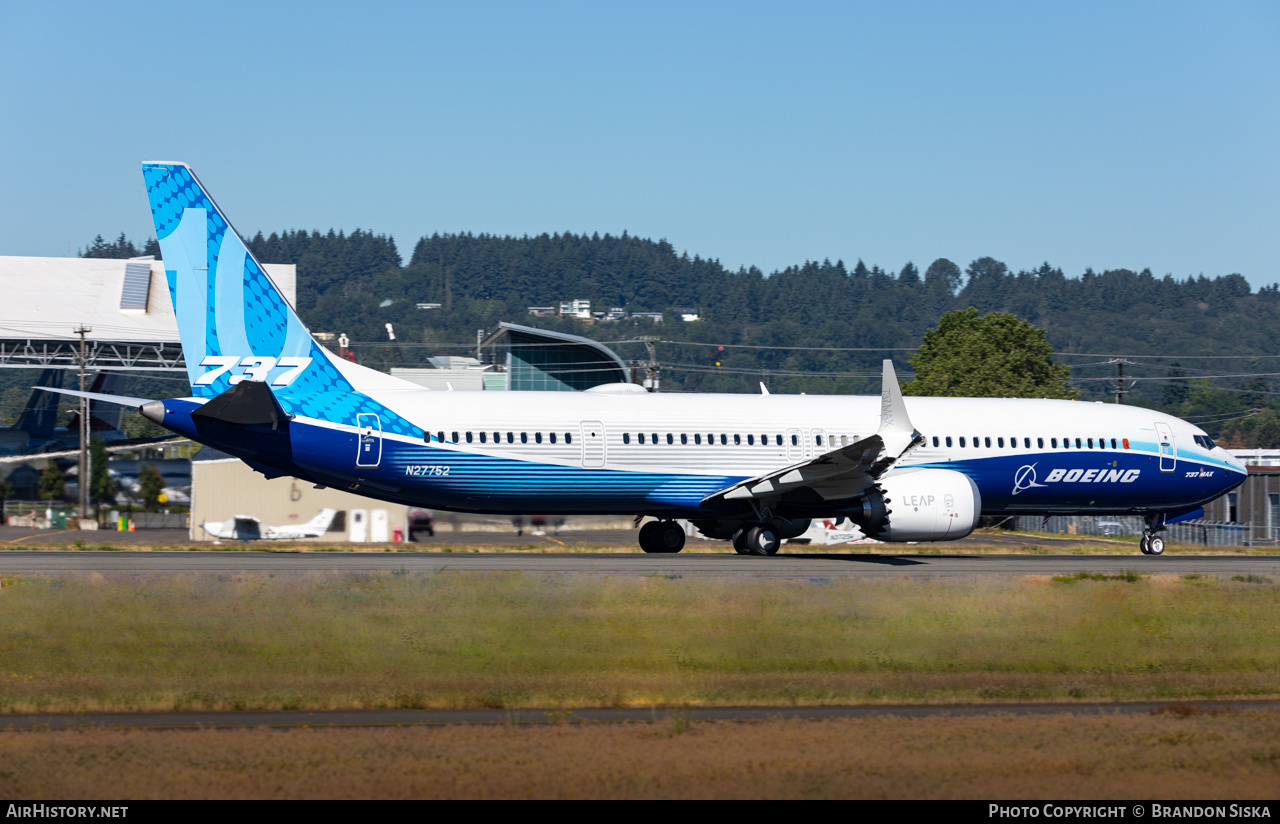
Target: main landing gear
x: 1152, y: 543
x: 661, y: 537
x: 756, y: 540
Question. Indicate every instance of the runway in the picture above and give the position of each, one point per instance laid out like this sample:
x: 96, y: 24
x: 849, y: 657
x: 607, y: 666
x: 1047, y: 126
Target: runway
x: 794, y: 565
x: 413, y: 718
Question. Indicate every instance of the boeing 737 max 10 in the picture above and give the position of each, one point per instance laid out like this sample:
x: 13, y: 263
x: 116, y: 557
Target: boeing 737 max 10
x: 751, y: 469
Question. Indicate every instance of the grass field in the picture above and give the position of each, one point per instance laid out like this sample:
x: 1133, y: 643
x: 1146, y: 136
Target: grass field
x: 1166, y: 756
x: 513, y: 640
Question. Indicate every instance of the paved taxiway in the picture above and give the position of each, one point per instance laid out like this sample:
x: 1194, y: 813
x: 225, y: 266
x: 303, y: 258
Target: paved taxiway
x: 402, y: 718
x: 790, y: 565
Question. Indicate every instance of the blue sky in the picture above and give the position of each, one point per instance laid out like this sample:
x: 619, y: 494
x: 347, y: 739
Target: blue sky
x: 1136, y: 134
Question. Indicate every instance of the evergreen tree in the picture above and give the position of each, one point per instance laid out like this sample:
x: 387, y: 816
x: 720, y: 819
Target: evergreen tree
x: 150, y: 485
x: 1176, y: 391
x: 991, y: 356
x: 53, y: 483
x: 102, y: 489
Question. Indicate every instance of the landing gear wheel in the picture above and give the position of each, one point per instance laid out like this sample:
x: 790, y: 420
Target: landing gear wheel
x: 663, y: 537
x: 669, y: 538
x: 647, y: 537
x: 761, y: 540
x: 740, y: 542
x: 1144, y: 544
x: 1155, y: 545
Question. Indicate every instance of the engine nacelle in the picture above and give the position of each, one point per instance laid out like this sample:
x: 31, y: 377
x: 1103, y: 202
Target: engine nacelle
x: 920, y: 505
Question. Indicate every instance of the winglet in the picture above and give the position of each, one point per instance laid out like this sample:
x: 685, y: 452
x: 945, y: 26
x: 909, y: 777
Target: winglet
x: 764, y: 390
x: 895, y: 427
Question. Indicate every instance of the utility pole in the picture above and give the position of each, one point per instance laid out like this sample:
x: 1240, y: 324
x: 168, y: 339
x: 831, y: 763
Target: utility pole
x: 652, y: 369
x: 84, y: 428
x: 1121, y: 389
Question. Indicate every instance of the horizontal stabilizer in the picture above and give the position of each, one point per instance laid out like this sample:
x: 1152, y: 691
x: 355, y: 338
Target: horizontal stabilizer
x: 122, y: 400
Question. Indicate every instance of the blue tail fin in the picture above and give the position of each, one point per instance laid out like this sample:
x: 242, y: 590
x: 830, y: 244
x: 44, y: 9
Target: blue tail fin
x: 234, y: 323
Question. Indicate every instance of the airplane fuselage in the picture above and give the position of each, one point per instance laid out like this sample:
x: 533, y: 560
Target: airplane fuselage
x: 640, y: 453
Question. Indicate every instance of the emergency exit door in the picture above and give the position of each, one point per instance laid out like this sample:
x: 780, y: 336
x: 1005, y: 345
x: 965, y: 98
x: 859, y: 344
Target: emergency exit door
x: 593, y: 454
x: 368, y: 440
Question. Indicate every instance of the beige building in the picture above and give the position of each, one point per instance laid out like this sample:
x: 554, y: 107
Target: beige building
x: 226, y: 487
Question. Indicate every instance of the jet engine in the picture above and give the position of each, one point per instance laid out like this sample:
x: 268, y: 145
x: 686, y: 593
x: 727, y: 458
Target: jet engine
x: 919, y: 505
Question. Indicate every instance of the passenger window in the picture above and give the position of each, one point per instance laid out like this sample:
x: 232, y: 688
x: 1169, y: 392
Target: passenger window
x: 844, y: 440
x: 511, y: 437
x: 670, y: 439
x: 626, y: 438
x: 1000, y: 442
x: 988, y: 442
x: 684, y: 439
x: 568, y: 438
x: 524, y: 437
x: 948, y: 440
x: 641, y: 438
x: 795, y: 441
x: 1039, y: 443
x: 724, y: 439
x: 751, y: 440
x: 1113, y: 443
x: 779, y: 440
x: 537, y: 437
x: 1090, y: 442
x: 697, y: 438
x: 1054, y: 441
x: 468, y: 437
x: 1078, y: 446
x: 482, y: 437
x: 553, y: 437
x: 440, y: 437
x: 962, y: 441
x: 817, y: 440
x: 935, y: 440
x: 654, y: 439
x: 737, y: 440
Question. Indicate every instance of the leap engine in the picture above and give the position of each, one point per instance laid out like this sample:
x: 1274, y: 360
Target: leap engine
x: 920, y: 505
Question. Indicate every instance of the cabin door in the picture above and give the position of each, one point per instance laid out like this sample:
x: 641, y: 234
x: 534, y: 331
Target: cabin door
x: 369, y: 439
x: 1168, y: 447
x: 593, y: 455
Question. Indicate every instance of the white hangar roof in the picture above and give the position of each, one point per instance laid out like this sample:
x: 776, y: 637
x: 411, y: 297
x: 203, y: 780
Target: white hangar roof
x: 47, y: 298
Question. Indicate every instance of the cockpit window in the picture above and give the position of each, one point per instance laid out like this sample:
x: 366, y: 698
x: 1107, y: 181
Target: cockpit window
x: 1205, y: 441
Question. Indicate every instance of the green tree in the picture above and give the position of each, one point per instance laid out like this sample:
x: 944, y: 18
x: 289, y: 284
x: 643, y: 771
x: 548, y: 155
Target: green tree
x: 53, y: 482
x: 102, y: 489
x: 6, y: 489
x: 150, y: 484
x: 997, y: 355
x: 1177, y: 390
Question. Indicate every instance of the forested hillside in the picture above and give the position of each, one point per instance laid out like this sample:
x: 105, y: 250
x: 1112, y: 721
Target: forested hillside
x: 818, y: 328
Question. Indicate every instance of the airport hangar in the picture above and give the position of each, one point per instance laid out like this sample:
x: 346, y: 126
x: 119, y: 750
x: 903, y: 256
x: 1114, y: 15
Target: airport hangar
x: 125, y: 306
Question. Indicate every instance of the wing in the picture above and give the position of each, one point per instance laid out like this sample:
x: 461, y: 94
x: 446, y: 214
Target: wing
x: 842, y: 473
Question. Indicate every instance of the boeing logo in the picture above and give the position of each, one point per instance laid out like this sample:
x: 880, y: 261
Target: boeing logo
x: 1025, y: 478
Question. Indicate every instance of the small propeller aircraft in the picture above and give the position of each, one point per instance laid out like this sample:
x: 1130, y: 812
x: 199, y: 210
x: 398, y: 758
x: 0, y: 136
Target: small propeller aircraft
x: 248, y: 528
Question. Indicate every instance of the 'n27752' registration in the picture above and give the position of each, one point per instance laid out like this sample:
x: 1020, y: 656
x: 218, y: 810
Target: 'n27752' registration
x: 426, y: 469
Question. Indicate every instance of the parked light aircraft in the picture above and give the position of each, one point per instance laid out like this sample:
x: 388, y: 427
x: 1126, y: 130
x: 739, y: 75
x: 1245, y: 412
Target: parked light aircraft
x: 831, y: 531
x: 750, y: 469
x: 249, y: 528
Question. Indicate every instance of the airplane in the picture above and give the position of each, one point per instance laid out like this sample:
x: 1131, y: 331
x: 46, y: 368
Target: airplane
x: 831, y: 531
x: 249, y: 528
x: 752, y: 470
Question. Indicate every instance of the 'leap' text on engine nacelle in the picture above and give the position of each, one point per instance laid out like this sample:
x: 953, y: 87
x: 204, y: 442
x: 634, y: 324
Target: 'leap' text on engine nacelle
x: 921, y: 505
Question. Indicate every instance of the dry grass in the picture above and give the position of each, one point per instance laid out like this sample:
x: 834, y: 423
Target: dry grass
x: 1169, y: 756
x: 514, y: 640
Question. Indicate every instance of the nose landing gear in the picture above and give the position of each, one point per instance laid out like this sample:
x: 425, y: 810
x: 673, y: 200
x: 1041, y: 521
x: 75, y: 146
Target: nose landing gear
x: 1152, y: 543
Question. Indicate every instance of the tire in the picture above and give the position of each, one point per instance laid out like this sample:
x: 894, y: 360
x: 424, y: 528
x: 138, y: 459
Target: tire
x: 669, y: 538
x: 648, y: 537
x: 740, y: 542
x: 1155, y: 546
x: 761, y: 540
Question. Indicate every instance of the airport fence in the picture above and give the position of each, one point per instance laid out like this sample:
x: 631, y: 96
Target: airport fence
x: 1198, y: 532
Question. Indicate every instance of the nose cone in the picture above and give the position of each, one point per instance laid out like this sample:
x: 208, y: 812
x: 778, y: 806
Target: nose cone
x: 153, y: 411
x: 1230, y: 460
